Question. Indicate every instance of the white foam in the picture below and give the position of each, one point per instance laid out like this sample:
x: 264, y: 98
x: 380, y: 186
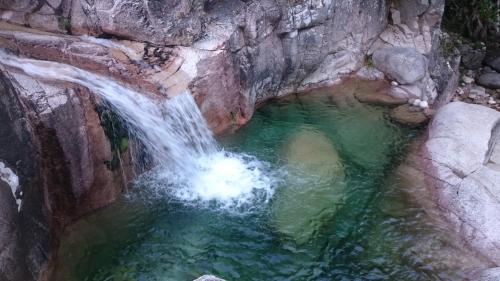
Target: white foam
x: 7, y: 175
x: 176, y: 136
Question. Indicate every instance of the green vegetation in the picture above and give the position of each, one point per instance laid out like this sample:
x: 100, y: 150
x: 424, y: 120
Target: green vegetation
x: 448, y: 48
x: 368, y: 61
x: 116, y: 132
x: 65, y: 24
x: 472, y: 18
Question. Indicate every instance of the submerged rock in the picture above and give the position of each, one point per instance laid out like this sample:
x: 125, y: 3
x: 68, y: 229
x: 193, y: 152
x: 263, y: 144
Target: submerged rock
x: 315, y: 186
x: 367, y: 139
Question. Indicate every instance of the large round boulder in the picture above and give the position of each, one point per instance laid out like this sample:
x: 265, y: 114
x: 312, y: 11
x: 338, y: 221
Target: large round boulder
x: 314, y: 189
x: 405, y: 65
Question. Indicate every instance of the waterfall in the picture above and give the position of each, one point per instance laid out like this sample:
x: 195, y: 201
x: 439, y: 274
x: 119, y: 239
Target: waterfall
x: 189, y: 162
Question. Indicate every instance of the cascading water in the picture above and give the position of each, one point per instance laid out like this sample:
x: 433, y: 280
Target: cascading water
x: 190, y: 164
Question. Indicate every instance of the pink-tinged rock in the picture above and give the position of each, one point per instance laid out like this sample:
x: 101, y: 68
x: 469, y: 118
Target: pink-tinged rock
x: 460, y: 162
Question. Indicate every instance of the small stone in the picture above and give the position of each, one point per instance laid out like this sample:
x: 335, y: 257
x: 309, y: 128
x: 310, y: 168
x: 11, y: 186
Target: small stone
x: 491, y: 101
x: 477, y: 92
x: 467, y: 79
x: 424, y: 104
x: 416, y: 102
x: 394, y: 83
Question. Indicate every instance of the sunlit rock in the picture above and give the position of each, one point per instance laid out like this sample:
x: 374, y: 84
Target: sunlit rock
x: 316, y: 186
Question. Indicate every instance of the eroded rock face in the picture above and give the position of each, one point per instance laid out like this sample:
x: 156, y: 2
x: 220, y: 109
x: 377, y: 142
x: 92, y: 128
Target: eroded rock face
x: 263, y: 48
x: 461, y: 162
x: 53, y: 141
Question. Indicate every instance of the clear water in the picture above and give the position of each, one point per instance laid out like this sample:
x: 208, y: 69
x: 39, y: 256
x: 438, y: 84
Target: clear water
x: 359, y: 220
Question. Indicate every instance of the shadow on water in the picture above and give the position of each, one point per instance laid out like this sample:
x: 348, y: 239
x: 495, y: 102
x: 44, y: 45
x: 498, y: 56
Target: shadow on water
x: 376, y: 226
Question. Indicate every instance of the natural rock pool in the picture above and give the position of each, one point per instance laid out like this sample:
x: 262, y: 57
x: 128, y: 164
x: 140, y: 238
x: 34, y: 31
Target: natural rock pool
x: 340, y: 211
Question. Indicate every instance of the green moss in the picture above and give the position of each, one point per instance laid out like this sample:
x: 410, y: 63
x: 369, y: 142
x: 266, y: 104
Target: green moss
x: 448, y: 48
x: 116, y: 131
x: 368, y: 61
x: 65, y: 24
x: 123, y: 144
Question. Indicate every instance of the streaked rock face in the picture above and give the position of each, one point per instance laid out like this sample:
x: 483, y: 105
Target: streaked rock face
x: 53, y: 141
x: 299, y: 210
x: 461, y: 160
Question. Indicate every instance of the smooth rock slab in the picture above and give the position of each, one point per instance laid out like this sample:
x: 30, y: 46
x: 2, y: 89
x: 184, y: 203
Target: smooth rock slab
x: 489, y: 80
x: 315, y: 186
x: 405, y: 65
x: 458, y: 155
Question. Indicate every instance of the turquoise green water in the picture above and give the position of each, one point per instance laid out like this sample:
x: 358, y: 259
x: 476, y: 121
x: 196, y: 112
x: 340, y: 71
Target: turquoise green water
x: 340, y: 212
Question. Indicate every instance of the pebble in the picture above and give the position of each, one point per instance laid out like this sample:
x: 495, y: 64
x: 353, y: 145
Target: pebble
x: 492, y: 101
x: 424, y: 104
x: 394, y: 83
x: 467, y: 79
x: 416, y: 102
x: 460, y: 91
